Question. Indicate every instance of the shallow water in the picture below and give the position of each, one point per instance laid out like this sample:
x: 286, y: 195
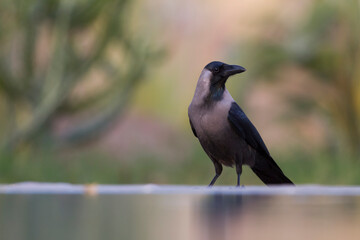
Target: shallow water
x: 173, y: 212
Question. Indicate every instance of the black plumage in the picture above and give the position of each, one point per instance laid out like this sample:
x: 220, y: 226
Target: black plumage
x: 265, y: 167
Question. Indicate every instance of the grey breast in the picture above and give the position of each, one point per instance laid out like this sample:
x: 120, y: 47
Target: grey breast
x: 214, y: 131
x: 216, y: 135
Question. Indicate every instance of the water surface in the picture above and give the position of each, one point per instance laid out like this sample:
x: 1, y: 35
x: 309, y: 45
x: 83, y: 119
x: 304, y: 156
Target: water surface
x: 172, y: 212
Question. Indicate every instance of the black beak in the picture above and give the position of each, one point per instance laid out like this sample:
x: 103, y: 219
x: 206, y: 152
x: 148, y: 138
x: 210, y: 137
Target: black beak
x: 230, y: 70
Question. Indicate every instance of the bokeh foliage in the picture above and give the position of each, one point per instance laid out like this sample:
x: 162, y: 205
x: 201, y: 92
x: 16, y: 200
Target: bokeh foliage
x: 50, y: 48
x: 326, y: 45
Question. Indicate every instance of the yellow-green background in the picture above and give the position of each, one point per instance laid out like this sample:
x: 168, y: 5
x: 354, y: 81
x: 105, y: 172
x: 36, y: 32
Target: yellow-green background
x: 301, y: 88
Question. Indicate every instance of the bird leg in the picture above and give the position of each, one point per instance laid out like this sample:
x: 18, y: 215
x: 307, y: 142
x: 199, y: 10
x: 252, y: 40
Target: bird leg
x: 214, y: 180
x: 218, y: 170
x: 238, y: 171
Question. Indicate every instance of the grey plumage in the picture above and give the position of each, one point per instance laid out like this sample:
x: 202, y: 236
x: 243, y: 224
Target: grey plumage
x: 224, y: 131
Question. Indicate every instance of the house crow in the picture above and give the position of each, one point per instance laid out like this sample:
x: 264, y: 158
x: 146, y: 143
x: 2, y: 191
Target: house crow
x: 225, y: 132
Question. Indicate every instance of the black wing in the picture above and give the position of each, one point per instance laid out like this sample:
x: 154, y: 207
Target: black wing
x: 192, y: 128
x: 265, y: 167
x: 245, y: 129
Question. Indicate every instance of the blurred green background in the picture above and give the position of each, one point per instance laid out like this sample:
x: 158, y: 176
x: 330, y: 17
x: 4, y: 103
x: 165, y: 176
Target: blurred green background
x: 96, y: 91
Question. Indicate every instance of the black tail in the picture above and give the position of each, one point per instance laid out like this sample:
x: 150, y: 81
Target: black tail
x: 269, y: 172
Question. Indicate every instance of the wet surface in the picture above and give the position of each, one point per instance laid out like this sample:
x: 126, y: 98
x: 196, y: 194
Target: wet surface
x: 178, y: 212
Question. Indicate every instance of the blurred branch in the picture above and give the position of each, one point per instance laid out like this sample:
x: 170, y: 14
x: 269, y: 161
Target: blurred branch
x: 53, y: 89
x: 119, y: 97
x: 6, y: 82
x: 48, y: 91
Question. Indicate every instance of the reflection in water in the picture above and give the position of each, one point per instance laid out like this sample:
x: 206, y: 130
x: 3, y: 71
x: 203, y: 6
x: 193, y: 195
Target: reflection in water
x: 221, y: 211
x: 178, y: 216
x: 218, y: 205
x: 216, y: 210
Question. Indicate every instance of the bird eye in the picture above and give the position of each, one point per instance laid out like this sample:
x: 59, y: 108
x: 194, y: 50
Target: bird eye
x: 216, y: 69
